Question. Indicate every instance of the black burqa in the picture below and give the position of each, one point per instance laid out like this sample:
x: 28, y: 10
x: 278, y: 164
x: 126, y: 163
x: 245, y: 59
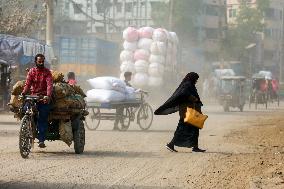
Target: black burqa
x: 185, y: 95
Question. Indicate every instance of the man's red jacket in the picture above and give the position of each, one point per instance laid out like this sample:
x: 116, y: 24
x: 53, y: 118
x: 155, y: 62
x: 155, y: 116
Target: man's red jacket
x: 39, y: 82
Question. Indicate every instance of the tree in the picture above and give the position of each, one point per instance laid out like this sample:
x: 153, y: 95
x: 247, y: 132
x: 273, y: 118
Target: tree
x: 249, y: 22
x: 17, y: 17
x: 185, y: 14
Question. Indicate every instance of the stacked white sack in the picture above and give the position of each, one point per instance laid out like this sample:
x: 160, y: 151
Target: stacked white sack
x: 171, y: 58
x: 141, y: 57
x: 157, y: 58
x: 106, y: 89
x: 130, y: 36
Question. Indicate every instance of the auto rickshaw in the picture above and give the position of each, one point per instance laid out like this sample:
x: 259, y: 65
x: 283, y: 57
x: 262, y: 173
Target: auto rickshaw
x: 232, y: 92
x: 259, y: 91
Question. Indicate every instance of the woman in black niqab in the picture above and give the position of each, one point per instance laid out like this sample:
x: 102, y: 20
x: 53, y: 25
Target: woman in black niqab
x: 186, y: 95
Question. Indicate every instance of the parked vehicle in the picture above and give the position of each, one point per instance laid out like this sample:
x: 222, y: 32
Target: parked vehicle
x: 129, y: 109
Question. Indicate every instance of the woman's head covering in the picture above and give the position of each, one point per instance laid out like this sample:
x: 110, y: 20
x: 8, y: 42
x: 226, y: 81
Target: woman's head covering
x: 181, y: 95
x: 191, y: 77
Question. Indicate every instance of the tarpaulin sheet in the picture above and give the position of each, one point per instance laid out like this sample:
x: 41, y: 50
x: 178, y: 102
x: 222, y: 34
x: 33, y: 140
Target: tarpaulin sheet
x: 21, y: 50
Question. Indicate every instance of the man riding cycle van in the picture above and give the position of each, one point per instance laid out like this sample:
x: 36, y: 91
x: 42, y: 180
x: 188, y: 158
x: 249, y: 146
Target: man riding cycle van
x: 39, y: 82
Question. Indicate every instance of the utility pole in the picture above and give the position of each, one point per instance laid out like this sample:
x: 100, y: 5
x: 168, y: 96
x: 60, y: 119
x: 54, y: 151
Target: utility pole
x: 137, y: 12
x: 171, y: 15
x: 220, y: 30
x: 49, y: 22
x: 146, y: 12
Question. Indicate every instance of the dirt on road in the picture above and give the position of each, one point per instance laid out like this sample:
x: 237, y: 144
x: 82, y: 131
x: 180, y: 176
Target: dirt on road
x: 244, y: 150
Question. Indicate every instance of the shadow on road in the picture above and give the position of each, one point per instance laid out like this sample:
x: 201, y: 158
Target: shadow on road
x: 140, y: 131
x: 44, y: 185
x: 89, y: 154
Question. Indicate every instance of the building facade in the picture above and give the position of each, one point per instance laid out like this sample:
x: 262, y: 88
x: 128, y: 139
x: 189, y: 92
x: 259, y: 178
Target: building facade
x: 103, y: 17
x: 269, y: 43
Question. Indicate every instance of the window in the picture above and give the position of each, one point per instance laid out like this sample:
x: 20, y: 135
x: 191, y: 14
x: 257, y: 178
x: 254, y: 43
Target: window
x: 100, y: 29
x: 270, y: 13
x: 118, y: 7
x: 128, y: 7
x: 268, y: 32
x: 212, y: 10
x: 269, y: 55
x: 212, y: 33
x: 77, y: 8
x: 232, y: 13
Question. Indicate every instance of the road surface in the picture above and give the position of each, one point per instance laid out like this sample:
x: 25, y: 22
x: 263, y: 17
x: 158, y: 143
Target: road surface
x: 244, y: 150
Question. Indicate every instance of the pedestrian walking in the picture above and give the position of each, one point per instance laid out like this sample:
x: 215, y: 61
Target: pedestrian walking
x: 186, y: 95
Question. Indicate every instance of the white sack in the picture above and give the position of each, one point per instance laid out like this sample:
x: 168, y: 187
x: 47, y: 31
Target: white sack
x: 131, y: 95
x: 158, y: 48
x: 146, y: 32
x: 130, y: 46
x: 157, y: 58
x: 170, y: 48
x: 145, y: 43
x: 141, y: 54
x: 126, y: 55
x: 141, y: 66
x: 156, y: 69
x: 127, y: 66
x: 140, y: 79
x: 159, y: 35
x: 102, y: 95
x: 108, y: 83
x: 174, y: 37
x: 130, y: 34
x: 155, y: 81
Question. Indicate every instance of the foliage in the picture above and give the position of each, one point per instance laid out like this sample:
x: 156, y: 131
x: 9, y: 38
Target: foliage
x: 17, y: 17
x: 184, y: 17
x: 249, y: 22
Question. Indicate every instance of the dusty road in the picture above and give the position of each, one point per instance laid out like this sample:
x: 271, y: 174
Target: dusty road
x: 244, y: 150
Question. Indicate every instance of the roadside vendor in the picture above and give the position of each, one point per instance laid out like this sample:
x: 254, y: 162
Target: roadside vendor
x: 39, y: 82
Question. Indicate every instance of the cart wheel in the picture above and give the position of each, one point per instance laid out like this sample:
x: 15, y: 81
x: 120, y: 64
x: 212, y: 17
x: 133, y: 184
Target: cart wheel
x: 25, y: 137
x: 145, y: 116
x: 79, y: 138
x: 95, y: 117
x: 124, y: 120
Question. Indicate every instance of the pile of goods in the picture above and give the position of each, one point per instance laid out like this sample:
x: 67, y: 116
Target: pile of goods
x: 109, y: 89
x: 67, y: 100
x: 146, y: 53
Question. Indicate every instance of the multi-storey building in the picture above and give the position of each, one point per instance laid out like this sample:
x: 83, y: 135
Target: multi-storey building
x: 270, y: 51
x: 105, y: 17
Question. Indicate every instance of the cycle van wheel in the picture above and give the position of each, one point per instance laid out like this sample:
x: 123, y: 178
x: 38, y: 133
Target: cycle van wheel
x: 145, y: 116
x: 79, y: 138
x: 25, y: 137
x: 95, y: 117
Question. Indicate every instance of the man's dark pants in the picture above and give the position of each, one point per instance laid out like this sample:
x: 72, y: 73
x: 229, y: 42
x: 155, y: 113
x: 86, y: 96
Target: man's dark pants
x: 42, y: 122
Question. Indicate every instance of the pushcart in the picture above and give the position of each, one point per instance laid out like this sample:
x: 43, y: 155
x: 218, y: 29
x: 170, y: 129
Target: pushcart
x: 122, y: 112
